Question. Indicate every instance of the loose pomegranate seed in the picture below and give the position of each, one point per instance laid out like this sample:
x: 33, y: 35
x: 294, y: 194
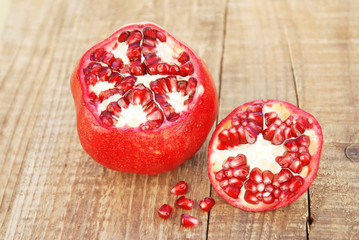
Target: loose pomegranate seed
x: 207, y: 204
x: 189, y: 221
x: 165, y: 211
x: 180, y: 188
x: 185, y: 203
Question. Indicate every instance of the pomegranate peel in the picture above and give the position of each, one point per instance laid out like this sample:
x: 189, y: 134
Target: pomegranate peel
x: 145, y: 102
x: 264, y: 155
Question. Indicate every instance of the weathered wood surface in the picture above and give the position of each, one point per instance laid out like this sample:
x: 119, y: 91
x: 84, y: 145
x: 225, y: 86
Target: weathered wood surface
x: 303, y: 52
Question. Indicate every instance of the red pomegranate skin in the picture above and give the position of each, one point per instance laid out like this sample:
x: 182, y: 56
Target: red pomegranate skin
x: 145, y: 152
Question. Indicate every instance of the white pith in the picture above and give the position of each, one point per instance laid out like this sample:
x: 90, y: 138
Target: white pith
x: 119, y: 51
x: 168, y: 52
x: 132, y: 116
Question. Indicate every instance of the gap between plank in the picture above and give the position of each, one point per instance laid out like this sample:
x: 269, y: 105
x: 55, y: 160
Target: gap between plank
x: 309, y: 219
x: 224, y: 33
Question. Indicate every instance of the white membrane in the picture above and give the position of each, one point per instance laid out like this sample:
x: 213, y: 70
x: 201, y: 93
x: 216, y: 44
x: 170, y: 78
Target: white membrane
x: 120, y: 52
x: 132, y: 116
x: 261, y: 154
x: 177, y: 101
x: 168, y: 53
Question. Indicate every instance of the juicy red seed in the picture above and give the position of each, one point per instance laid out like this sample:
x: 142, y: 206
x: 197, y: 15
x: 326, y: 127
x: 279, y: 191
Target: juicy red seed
x: 134, y: 52
x: 183, y: 58
x: 234, y: 182
x: 149, y: 33
x: 296, y: 166
x: 189, y: 221
x: 267, y: 177
x: 303, y: 140
x: 241, y: 172
x: 180, y: 188
x: 256, y: 175
x: 181, y: 87
x: 250, y: 186
x: 268, y: 198
x: 165, y: 211
x: 123, y: 36
x: 186, y: 69
x: 174, y: 70
x: 134, y: 37
x: 220, y: 176
x: 97, y: 54
x: 250, y: 197
x: 152, y: 69
x: 137, y: 69
x: 284, y: 175
x: 114, y: 109
x: 237, y: 161
x: 117, y: 64
x: 163, y: 68
x: 108, y: 58
x: 161, y: 36
x: 104, y: 74
x: 285, y: 196
x: 191, y: 86
x: 108, y: 93
x: 270, y: 118
x: 93, y: 98
x: 184, y: 203
x: 95, y: 67
x: 91, y: 79
x: 233, y: 192
x: 207, y: 204
x: 296, y: 183
x: 106, y: 118
x: 115, y: 78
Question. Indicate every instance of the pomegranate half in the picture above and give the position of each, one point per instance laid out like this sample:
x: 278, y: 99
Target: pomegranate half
x: 264, y: 155
x: 145, y: 102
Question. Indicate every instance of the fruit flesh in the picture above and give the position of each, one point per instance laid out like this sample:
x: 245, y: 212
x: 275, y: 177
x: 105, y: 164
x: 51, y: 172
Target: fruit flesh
x: 281, y: 145
x: 179, y: 114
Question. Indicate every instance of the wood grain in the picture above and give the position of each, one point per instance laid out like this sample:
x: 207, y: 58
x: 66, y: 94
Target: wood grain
x: 303, y: 52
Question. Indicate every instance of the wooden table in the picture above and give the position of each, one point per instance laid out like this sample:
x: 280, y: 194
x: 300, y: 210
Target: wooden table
x: 303, y: 52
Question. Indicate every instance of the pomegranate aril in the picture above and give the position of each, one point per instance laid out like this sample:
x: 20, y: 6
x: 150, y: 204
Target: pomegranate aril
x: 93, y: 98
x: 106, y: 119
x: 91, y: 79
x: 189, y: 221
x: 295, y: 184
x: 174, y: 70
x: 296, y: 166
x: 162, y: 68
x: 256, y: 175
x: 284, y: 175
x: 117, y: 64
x: 134, y: 37
x: 220, y: 176
x: 137, y: 68
x: 237, y: 161
x: 108, y: 58
x: 267, y: 177
x: 284, y: 196
x: 123, y: 36
x: 165, y: 211
x: 108, y: 93
x: 134, y: 52
x: 97, y: 54
x: 268, y: 198
x: 250, y: 197
x: 207, y: 204
x: 181, y: 87
x: 184, y: 203
x: 114, y: 109
x: 171, y: 83
x: 234, y: 182
x: 95, y: 68
x: 191, y: 86
x: 104, y: 74
x: 180, y: 188
x: 149, y: 33
x: 250, y: 186
x: 270, y: 117
x: 241, y: 172
x: 183, y: 58
x: 161, y: 36
x: 186, y: 69
x: 115, y: 78
x: 233, y: 192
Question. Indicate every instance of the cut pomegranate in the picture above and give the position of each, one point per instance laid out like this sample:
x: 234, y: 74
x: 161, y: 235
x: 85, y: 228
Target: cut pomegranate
x: 264, y: 155
x: 145, y: 101
x: 165, y: 211
x: 180, y: 188
x: 189, y: 221
x: 207, y: 204
x: 184, y: 203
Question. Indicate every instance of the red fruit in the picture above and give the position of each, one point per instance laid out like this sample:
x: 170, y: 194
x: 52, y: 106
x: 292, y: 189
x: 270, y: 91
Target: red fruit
x: 207, y: 204
x: 264, y: 155
x: 180, y: 188
x: 184, y: 203
x: 140, y: 107
x: 165, y: 211
x: 189, y: 221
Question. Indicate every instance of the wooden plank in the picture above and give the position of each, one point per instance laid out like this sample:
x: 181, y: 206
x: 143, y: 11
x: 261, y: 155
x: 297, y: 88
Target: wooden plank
x: 50, y: 189
x: 324, y: 42
x: 256, y: 65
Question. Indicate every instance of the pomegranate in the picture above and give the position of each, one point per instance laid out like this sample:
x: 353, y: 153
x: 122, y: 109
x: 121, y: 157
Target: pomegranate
x: 180, y: 188
x: 145, y: 102
x: 264, y: 155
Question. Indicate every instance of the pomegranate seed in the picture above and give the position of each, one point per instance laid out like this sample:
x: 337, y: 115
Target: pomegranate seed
x: 97, y: 54
x: 184, y: 203
x: 149, y: 33
x: 163, y: 68
x: 123, y: 36
x: 207, y: 204
x: 180, y: 188
x: 189, y: 221
x: 165, y: 211
x: 117, y: 64
x: 161, y: 36
x: 183, y: 58
x: 135, y: 37
x: 186, y: 69
x: 108, y: 58
x: 256, y: 175
x: 250, y: 197
x: 107, y: 119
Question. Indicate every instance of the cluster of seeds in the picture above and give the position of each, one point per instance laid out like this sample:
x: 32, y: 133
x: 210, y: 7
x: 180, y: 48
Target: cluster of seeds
x: 181, y: 188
